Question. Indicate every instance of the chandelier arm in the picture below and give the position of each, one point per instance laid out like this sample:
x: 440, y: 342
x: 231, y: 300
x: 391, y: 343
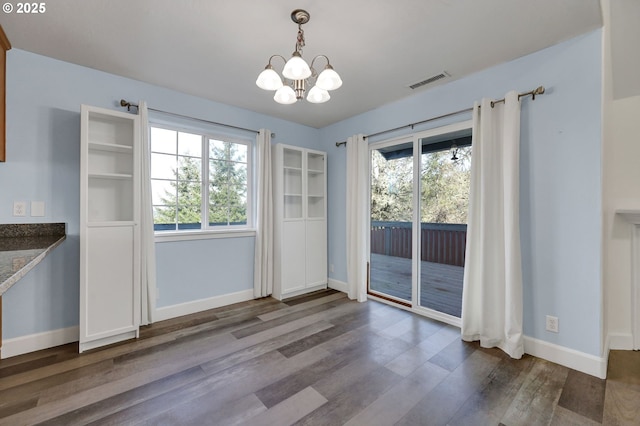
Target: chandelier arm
x: 277, y: 56
x: 320, y: 56
x: 314, y: 73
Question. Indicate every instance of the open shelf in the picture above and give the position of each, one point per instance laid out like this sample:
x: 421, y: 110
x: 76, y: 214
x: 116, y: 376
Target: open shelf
x: 292, y: 159
x: 109, y: 199
x: 110, y: 176
x: 110, y: 129
x: 315, y: 162
x: 110, y: 147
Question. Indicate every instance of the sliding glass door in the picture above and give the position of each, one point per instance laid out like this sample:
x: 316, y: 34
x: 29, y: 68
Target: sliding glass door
x: 419, y: 193
x: 391, y: 239
x: 444, y: 201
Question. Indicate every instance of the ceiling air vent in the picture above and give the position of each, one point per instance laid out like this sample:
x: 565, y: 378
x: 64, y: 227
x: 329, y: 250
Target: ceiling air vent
x: 436, y: 77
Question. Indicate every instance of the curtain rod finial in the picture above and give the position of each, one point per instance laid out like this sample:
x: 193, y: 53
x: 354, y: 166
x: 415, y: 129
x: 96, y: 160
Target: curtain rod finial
x: 538, y: 91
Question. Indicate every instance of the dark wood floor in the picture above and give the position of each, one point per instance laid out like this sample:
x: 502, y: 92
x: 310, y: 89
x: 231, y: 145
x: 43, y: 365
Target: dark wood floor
x: 440, y: 284
x: 317, y: 359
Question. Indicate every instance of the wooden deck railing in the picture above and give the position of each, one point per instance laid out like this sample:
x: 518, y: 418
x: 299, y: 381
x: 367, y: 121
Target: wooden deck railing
x: 440, y: 242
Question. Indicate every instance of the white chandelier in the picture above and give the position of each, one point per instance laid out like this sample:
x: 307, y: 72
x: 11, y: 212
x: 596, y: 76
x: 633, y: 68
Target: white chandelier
x: 297, y: 75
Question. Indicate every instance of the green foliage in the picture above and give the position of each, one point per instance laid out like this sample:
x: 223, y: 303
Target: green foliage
x: 227, y: 190
x: 391, y: 188
x: 184, y: 201
x: 444, y: 193
x: 227, y: 185
x: 445, y: 187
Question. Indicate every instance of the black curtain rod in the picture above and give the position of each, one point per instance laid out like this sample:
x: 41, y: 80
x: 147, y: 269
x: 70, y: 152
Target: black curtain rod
x: 124, y: 103
x: 537, y: 91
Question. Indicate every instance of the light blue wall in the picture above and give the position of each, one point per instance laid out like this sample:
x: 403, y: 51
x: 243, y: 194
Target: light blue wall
x: 43, y: 154
x: 560, y: 182
x: 560, y: 179
x: 201, y: 265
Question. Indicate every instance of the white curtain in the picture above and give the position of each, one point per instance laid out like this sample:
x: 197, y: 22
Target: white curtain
x: 492, y: 289
x: 357, y: 190
x: 147, y: 239
x: 263, y: 268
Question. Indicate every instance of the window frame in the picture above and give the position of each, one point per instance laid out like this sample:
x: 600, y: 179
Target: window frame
x: 207, y: 231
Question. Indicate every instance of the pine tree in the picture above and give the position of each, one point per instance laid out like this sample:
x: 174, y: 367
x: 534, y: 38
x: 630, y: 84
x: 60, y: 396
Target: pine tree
x: 227, y: 185
x: 183, y: 203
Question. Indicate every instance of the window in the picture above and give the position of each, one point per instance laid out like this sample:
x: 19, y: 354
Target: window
x: 199, y: 181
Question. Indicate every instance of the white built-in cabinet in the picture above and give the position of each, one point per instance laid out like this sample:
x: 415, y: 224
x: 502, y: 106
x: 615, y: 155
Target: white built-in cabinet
x: 300, y: 221
x: 109, y: 231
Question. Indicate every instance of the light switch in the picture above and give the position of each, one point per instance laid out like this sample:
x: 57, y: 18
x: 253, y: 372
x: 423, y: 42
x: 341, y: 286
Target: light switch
x: 37, y: 208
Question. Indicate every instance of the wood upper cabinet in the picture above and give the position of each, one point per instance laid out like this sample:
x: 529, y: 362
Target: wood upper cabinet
x: 4, y: 43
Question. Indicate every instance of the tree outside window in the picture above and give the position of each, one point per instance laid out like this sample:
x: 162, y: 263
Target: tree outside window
x: 179, y: 183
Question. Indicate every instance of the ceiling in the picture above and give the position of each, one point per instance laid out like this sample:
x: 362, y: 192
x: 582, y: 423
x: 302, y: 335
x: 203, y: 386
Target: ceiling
x: 216, y: 48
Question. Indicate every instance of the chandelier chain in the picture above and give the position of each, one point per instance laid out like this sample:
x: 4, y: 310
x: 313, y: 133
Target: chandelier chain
x: 300, y: 40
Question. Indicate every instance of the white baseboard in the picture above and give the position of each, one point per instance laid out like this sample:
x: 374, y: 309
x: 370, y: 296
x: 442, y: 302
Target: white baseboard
x: 586, y: 363
x: 620, y: 341
x: 48, y: 339
x: 35, y: 342
x: 187, y: 308
x: 338, y: 285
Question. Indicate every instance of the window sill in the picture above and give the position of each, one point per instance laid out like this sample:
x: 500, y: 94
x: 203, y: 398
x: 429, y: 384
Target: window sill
x: 168, y: 236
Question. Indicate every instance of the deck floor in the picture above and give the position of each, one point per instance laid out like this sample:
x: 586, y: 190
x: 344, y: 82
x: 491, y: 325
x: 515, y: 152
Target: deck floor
x: 440, y: 285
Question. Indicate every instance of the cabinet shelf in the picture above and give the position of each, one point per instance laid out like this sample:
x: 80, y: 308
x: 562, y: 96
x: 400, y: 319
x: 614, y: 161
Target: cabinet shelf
x: 110, y: 223
x: 110, y: 176
x: 110, y: 147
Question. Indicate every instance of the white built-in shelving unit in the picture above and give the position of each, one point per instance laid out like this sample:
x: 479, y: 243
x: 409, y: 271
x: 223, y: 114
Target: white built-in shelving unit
x: 109, y: 231
x: 300, y: 225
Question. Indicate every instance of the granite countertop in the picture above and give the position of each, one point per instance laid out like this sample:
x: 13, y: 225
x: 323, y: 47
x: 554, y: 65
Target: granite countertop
x: 23, y: 246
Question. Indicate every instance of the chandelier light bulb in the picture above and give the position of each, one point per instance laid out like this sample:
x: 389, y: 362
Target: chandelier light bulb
x: 318, y: 95
x: 285, y: 95
x: 269, y: 79
x: 329, y: 79
x: 296, y: 68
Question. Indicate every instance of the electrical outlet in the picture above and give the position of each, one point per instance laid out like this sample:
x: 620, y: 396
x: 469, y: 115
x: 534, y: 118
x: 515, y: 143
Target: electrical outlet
x: 552, y: 323
x: 19, y: 208
x: 331, y: 267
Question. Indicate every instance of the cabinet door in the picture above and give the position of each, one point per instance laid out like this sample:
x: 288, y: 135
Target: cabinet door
x: 292, y: 183
x: 4, y: 46
x: 293, y: 256
x: 110, y: 291
x: 316, y: 252
x: 316, y: 185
